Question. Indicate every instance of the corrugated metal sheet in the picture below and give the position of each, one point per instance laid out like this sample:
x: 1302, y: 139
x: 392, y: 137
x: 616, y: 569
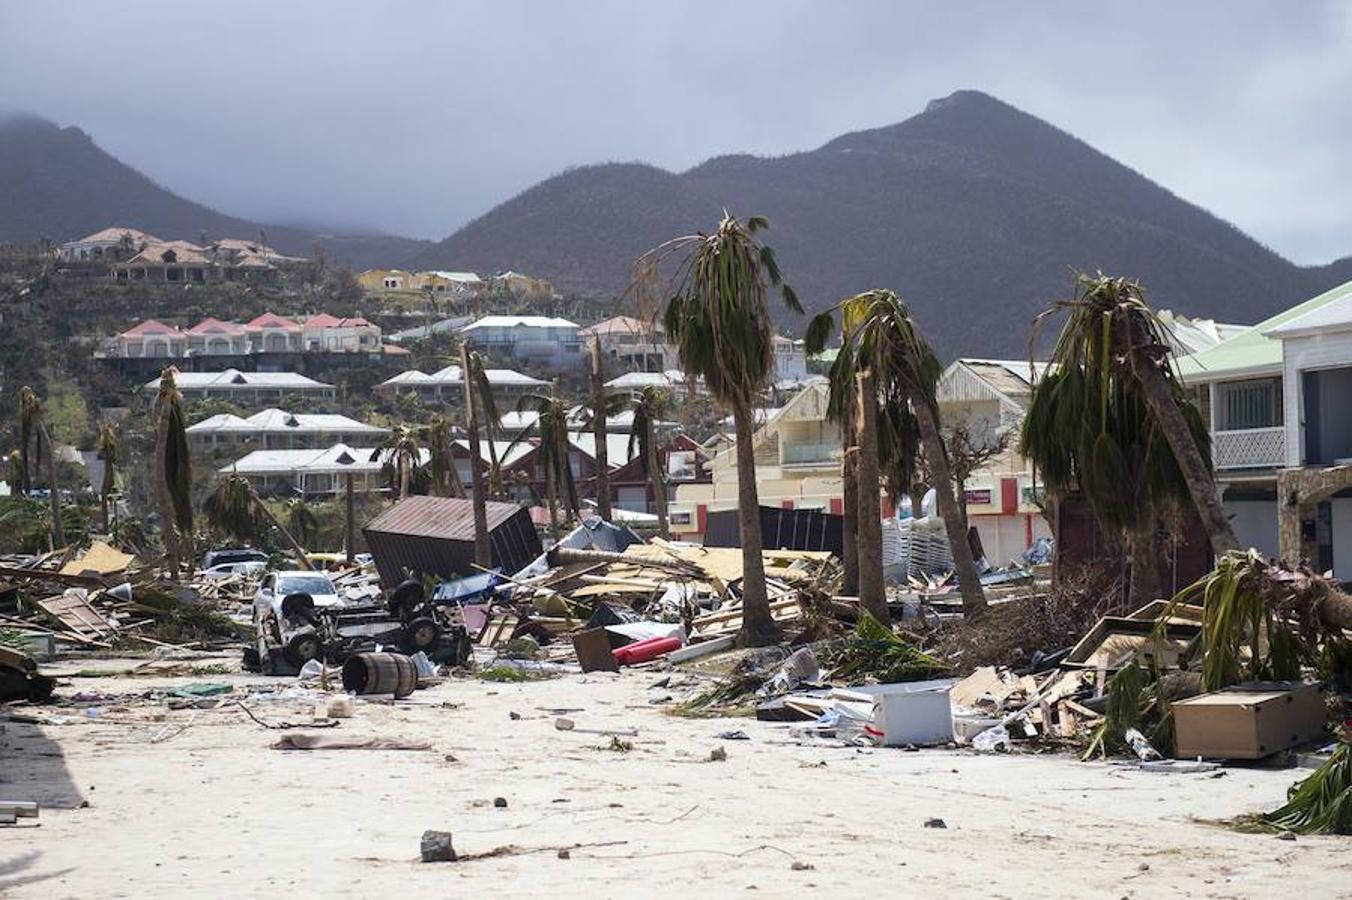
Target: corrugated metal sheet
x: 781, y: 529
x: 440, y: 517
x: 435, y: 536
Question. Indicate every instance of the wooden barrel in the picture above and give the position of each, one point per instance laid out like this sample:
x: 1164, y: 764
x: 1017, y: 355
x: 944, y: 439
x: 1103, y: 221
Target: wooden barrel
x: 380, y: 673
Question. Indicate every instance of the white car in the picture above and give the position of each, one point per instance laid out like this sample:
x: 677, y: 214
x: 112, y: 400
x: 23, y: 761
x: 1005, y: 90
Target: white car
x: 230, y: 569
x: 277, y: 586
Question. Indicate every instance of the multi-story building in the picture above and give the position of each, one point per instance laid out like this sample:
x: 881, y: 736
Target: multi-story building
x: 635, y: 343
x: 275, y: 429
x: 315, y: 473
x: 246, y: 388
x: 267, y: 333
x: 1281, y: 429
x: 543, y: 340
x: 447, y: 384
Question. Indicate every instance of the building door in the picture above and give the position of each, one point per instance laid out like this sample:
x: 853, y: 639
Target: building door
x: 1314, y: 451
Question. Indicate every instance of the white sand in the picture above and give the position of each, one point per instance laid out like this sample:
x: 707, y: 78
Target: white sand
x: 214, y: 812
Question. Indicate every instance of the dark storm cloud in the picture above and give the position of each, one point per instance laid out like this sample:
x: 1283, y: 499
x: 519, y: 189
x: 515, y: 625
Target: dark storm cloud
x: 416, y: 116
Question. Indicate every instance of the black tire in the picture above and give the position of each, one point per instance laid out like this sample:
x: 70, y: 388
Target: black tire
x: 420, y: 634
x: 404, y: 598
x: 298, y: 606
x: 302, y: 648
x: 252, y: 662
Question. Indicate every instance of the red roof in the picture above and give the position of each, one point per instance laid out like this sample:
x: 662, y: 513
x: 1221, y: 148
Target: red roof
x: 271, y: 320
x: 216, y: 326
x: 395, y: 350
x: 151, y: 326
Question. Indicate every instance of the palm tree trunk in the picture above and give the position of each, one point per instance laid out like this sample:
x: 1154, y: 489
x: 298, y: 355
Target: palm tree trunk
x: 403, y: 475
x: 58, y: 532
x: 349, y: 518
x: 1145, y: 570
x: 657, y: 482
x: 973, y: 598
x: 568, y: 481
x: 553, y: 500
x: 599, y: 430
x: 168, y: 528
x: 868, y: 528
x: 758, y: 628
x: 849, y: 528
x: 483, y: 549
x: 301, y: 556
x: 1201, y: 483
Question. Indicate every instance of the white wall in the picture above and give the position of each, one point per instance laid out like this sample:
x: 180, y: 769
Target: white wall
x: 1342, y: 537
x: 1255, y: 523
x: 1319, y: 351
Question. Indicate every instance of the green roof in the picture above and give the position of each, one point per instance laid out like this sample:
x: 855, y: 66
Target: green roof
x: 1252, y: 350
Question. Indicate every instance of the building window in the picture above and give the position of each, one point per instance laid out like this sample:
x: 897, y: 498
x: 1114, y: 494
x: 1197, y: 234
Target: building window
x: 1244, y: 405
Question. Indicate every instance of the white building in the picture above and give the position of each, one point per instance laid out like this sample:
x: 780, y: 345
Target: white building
x: 544, y: 340
x: 275, y: 429
x: 446, y: 384
x: 212, y: 337
x: 314, y: 473
x: 151, y: 339
x: 1275, y: 398
x: 670, y: 380
x: 115, y: 242
x: 246, y: 388
x: 324, y: 333
x: 633, y: 342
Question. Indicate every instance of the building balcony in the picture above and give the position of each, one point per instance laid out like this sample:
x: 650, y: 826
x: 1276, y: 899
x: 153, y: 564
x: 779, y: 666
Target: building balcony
x: 809, y: 454
x: 1249, y: 448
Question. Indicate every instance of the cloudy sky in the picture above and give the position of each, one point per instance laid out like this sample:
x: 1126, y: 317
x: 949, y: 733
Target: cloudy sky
x: 414, y: 116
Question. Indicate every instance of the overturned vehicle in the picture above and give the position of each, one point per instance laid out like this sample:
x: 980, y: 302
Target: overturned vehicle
x: 300, y: 616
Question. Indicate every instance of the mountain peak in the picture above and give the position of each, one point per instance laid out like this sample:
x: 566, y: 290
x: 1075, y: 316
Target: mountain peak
x: 967, y: 98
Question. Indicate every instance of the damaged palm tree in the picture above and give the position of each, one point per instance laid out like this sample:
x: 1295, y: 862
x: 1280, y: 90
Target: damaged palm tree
x: 1111, y: 418
x: 885, y: 342
x: 551, y: 423
x: 718, y: 318
x: 876, y: 651
x: 235, y: 509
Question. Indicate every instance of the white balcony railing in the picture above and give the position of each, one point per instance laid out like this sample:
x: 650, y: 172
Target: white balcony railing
x: 1251, y: 448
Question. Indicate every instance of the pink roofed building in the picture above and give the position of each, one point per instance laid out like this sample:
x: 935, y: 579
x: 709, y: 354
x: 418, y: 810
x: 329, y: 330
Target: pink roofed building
x: 324, y: 333
x: 213, y: 337
x: 271, y: 333
x: 152, y: 339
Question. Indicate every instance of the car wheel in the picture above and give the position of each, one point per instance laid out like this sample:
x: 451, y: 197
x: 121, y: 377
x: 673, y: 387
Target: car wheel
x: 302, y: 648
x: 421, y: 634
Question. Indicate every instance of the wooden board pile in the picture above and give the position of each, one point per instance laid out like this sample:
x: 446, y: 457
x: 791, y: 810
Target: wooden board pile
x: 698, y: 587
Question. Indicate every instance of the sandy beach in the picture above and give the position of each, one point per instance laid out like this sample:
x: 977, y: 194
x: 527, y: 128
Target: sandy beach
x: 144, y: 801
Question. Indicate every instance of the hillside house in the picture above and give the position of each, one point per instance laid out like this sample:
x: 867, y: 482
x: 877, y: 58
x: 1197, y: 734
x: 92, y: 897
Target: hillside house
x: 446, y: 384
x: 271, y: 333
x: 314, y: 473
x: 276, y: 429
x: 151, y: 339
x: 452, y: 284
x: 212, y: 337
x: 522, y: 286
x: 173, y: 262
x: 324, y: 333
x: 635, y: 343
x: 385, y: 280
x: 246, y: 388
x: 107, y: 245
x: 543, y: 340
